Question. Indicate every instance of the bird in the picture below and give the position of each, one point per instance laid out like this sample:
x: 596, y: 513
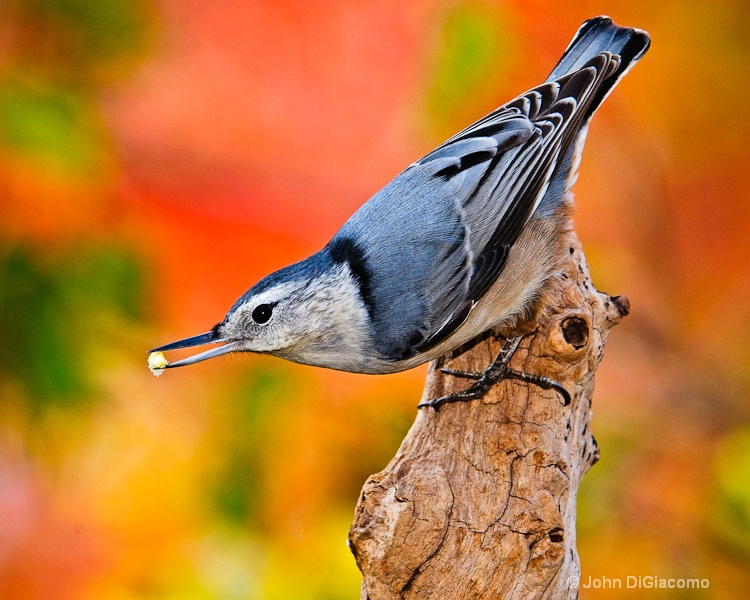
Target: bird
x: 463, y: 241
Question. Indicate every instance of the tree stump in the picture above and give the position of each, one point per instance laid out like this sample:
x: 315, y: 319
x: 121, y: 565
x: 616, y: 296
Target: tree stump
x: 480, y: 500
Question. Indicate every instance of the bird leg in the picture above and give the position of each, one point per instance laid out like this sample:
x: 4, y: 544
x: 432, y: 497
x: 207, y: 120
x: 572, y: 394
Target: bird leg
x: 493, y: 374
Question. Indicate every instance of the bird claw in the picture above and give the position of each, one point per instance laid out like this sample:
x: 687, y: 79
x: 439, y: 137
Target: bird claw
x: 543, y: 382
x: 474, y: 392
x: 493, y: 374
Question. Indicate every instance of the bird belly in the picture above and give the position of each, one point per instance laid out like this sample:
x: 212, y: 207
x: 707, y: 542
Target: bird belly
x: 533, y: 259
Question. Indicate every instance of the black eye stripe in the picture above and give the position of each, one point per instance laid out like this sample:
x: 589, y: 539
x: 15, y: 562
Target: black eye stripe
x: 262, y: 313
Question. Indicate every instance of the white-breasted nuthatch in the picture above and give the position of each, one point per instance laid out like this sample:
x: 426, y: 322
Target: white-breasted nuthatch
x: 460, y: 242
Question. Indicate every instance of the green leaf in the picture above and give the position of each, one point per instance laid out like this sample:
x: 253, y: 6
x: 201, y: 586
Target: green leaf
x: 239, y: 487
x: 101, y: 29
x: 474, y: 54
x: 51, y: 124
x: 49, y: 316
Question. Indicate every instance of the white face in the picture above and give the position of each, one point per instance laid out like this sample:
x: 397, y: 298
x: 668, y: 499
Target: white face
x: 321, y: 321
x: 268, y: 321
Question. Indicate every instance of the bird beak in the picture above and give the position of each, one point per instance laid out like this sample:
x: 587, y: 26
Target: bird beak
x: 210, y: 337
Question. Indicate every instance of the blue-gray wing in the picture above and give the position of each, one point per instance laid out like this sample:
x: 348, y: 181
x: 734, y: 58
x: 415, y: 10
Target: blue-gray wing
x: 433, y: 241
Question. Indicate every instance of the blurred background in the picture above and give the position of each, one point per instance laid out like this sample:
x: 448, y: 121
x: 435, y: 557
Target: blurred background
x: 157, y: 157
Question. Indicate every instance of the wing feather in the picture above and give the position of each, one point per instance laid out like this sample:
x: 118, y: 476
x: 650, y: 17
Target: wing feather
x: 459, y: 211
x: 509, y: 190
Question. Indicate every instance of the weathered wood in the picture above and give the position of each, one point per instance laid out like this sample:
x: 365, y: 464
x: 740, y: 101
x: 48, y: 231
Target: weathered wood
x: 480, y: 500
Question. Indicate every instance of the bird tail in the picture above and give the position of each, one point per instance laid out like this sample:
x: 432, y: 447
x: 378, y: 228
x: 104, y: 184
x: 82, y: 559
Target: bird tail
x: 595, y: 36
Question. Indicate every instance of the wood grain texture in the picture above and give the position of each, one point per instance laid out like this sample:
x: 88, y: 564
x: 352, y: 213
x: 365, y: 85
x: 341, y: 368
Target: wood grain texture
x: 480, y: 500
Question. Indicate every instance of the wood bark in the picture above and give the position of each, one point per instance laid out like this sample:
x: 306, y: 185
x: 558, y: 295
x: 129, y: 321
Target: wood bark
x: 480, y: 500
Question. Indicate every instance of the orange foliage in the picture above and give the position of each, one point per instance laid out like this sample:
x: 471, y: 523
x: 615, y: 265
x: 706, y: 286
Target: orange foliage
x: 221, y: 141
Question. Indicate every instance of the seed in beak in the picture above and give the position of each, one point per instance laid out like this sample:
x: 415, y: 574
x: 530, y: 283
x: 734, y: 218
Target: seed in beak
x: 157, y: 362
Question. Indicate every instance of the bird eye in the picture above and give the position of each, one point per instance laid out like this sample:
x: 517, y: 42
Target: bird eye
x: 262, y: 313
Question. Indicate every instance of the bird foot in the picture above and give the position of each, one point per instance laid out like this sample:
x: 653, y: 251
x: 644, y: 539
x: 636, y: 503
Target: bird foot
x: 493, y: 374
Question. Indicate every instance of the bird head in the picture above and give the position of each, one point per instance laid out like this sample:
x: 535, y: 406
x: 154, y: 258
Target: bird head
x: 309, y: 312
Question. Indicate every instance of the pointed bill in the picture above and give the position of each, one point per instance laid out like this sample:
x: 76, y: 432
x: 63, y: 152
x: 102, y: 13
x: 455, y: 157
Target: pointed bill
x: 197, y: 340
x: 157, y: 362
x: 196, y: 358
